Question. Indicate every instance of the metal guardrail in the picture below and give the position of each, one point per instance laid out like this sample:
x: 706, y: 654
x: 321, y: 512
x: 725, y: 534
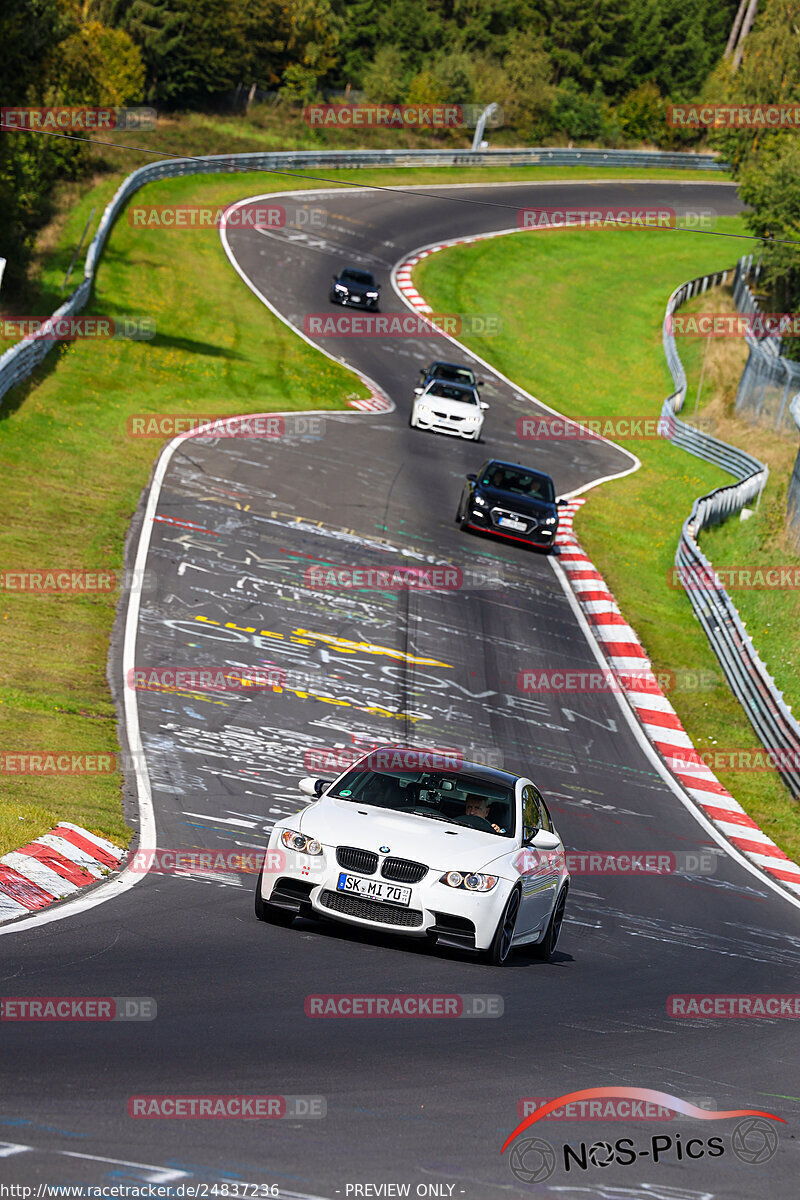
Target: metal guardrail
x: 769, y: 384
x: 18, y: 362
x: 793, y: 501
x: 747, y: 675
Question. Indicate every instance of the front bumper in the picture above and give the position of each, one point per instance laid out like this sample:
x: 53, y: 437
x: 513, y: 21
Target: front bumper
x: 454, y: 917
x: 433, y: 424
x: 539, y: 536
x: 349, y: 302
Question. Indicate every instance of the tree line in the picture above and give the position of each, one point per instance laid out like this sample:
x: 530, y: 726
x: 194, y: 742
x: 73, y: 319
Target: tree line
x: 590, y: 71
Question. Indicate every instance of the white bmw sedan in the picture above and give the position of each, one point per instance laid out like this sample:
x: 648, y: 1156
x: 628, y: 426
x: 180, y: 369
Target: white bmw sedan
x: 465, y: 857
x: 454, y: 408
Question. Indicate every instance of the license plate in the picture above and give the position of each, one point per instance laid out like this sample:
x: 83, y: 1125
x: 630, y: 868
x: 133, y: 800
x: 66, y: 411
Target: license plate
x: 510, y: 523
x: 373, y: 889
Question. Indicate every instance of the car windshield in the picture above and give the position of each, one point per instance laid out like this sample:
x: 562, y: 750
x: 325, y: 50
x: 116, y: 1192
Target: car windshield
x: 361, y: 277
x: 521, y: 483
x: 455, y: 374
x: 454, y: 797
x: 452, y: 391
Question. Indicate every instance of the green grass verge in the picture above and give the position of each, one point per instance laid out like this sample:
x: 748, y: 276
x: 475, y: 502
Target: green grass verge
x: 582, y: 314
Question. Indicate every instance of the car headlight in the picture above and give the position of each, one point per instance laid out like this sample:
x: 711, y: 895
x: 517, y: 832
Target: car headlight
x: 372, y: 295
x: 549, y: 520
x: 479, y: 500
x: 471, y: 881
x: 339, y: 287
x: 299, y: 842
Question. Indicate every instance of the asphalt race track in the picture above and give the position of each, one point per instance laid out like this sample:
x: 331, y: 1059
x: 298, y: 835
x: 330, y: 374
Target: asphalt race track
x: 426, y: 1103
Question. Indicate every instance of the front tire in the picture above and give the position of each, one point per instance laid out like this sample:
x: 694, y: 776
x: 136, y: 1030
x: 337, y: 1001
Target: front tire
x: 544, y: 949
x: 499, y: 953
x: 270, y: 912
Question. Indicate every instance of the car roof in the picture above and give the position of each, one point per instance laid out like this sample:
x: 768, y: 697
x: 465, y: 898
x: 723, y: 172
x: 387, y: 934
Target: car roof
x: 460, y: 385
x: 456, y: 366
x: 477, y: 770
x: 499, y: 462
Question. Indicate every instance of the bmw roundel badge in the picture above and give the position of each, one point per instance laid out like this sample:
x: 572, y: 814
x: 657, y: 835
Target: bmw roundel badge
x: 383, y: 849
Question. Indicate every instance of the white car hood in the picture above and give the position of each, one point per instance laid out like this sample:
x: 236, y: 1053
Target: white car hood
x: 454, y: 408
x: 423, y: 839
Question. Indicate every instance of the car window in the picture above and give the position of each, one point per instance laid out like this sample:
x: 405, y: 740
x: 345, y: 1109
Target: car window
x: 451, y: 797
x: 532, y: 818
x: 456, y: 374
x: 545, y: 815
x: 520, y: 483
x: 358, y: 277
x: 451, y: 391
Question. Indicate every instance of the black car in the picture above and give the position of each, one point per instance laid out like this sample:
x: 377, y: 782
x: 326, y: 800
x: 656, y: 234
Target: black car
x: 352, y: 286
x: 451, y: 372
x: 512, y: 502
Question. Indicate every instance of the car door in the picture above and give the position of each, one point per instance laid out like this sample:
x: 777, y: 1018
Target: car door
x: 538, y: 868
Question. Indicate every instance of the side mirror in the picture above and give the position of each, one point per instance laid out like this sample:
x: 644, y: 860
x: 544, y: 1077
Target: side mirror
x: 542, y: 840
x: 334, y: 278
x: 481, y: 383
x: 561, y: 503
x: 313, y: 787
x: 472, y: 478
x: 418, y: 391
x: 484, y: 405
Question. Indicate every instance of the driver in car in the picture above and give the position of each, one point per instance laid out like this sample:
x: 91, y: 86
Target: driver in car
x: 478, y: 806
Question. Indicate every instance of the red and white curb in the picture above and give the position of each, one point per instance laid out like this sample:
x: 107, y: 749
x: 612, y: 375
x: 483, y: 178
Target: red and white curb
x: 53, y: 866
x: 404, y: 284
x: 658, y: 718
x: 372, y: 404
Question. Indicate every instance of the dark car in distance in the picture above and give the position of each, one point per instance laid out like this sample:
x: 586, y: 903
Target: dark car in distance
x: 356, y: 287
x: 451, y: 373
x: 511, y: 501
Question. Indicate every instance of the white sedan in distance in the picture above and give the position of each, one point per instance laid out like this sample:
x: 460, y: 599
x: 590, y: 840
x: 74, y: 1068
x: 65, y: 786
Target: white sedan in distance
x: 466, y: 856
x: 447, y: 407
